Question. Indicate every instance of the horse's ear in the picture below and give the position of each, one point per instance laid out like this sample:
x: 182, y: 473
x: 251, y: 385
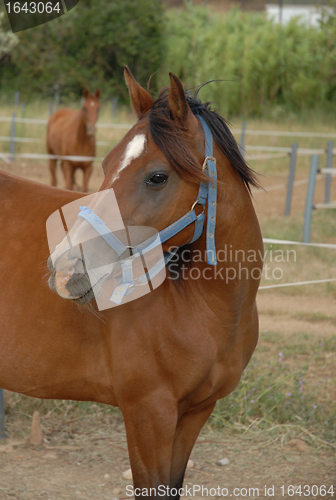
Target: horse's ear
x: 178, y: 104
x: 98, y: 93
x: 141, y: 100
x: 85, y: 93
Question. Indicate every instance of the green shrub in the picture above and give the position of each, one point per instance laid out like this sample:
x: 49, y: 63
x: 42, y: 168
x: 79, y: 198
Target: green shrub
x: 261, y: 63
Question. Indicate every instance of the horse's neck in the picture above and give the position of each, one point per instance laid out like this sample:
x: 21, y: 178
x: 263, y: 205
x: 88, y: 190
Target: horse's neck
x: 81, y: 126
x: 81, y: 134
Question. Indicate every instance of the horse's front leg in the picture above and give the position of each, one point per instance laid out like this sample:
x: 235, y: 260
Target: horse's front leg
x: 150, y: 428
x: 187, y: 431
x: 69, y: 174
x: 52, y: 169
x: 87, y: 174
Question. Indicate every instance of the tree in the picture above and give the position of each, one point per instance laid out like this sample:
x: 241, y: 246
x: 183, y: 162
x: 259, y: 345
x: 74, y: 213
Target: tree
x: 7, y: 40
x: 89, y: 47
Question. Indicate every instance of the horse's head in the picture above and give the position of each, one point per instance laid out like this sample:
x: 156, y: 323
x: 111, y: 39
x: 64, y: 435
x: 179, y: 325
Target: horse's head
x: 90, y: 109
x: 155, y: 172
x: 157, y: 169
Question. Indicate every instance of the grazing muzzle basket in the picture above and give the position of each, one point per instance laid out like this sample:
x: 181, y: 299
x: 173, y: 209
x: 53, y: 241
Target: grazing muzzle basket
x: 88, y: 237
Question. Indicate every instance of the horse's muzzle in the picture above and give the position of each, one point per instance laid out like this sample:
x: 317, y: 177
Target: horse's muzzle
x: 91, y: 129
x: 70, y: 285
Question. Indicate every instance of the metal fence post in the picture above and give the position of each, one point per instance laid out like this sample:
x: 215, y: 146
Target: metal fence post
x: 291, y: 177
x: 57, y: 100
x: 17, y: 98
x: 12, y: 138
x: 2, y: 415
x: 51, y: 108
x: 310, y: 199
x: 328, y: 176
x: 242, y: 140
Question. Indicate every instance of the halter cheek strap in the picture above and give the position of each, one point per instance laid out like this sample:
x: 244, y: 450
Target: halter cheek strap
x: 209, y: 189
x: 207, y: 192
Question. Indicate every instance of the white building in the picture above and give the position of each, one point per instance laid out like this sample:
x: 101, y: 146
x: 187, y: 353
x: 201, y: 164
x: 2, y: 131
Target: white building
x: 306, y: 13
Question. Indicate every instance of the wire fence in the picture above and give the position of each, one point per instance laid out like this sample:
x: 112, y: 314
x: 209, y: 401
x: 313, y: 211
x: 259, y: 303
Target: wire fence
x: 277, y: 133
x: 273, y: 151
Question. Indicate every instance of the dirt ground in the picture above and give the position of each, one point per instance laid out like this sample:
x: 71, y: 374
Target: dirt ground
x: 84, y: 458
x: 86, y: 461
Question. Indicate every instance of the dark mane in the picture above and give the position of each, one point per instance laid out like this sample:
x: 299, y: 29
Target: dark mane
x: 171, y: 138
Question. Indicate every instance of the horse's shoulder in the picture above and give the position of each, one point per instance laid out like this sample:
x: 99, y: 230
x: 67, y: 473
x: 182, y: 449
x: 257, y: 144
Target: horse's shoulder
x: 65, y: 111
x: 10, y: 182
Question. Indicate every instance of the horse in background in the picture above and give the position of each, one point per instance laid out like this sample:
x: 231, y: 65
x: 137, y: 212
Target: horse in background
x: 73, y: 133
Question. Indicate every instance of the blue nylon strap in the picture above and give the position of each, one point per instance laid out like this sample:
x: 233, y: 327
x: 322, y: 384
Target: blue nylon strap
x: 101, y: 228
x: 127, y: 284
x: 202, y: 193
x: 177, y: 226
x: 147, y: 245
x: 198, y: 227
x: 212, y: 194
x: 211, y: 223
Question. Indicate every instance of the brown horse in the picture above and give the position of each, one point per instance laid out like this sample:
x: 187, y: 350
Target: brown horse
x: 72, y: 133
x: 166, y: 358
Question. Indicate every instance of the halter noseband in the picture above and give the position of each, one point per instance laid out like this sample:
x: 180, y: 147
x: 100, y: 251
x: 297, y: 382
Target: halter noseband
x: 207, y: 191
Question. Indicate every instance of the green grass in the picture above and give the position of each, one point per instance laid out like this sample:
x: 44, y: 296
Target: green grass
x: 329, y: 344
x: 277, y: 390
x: 288, y: 228
x: 316, y: 317
x: 20, y: 407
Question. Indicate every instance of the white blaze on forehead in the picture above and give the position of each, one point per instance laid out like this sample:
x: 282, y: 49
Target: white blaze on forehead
x: 134, y: 149
x: 92, y: 103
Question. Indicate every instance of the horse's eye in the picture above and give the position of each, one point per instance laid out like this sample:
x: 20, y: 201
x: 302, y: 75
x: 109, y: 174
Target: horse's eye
x: 157, y: 180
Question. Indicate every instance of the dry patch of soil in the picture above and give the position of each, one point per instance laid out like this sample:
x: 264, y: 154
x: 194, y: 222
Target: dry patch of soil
x: 86, y: 459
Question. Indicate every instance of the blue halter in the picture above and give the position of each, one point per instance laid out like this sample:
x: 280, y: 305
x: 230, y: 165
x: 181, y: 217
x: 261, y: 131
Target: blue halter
x: 207, y: 191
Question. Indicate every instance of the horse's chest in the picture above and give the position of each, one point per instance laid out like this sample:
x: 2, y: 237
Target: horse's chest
x: 79, y: 147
